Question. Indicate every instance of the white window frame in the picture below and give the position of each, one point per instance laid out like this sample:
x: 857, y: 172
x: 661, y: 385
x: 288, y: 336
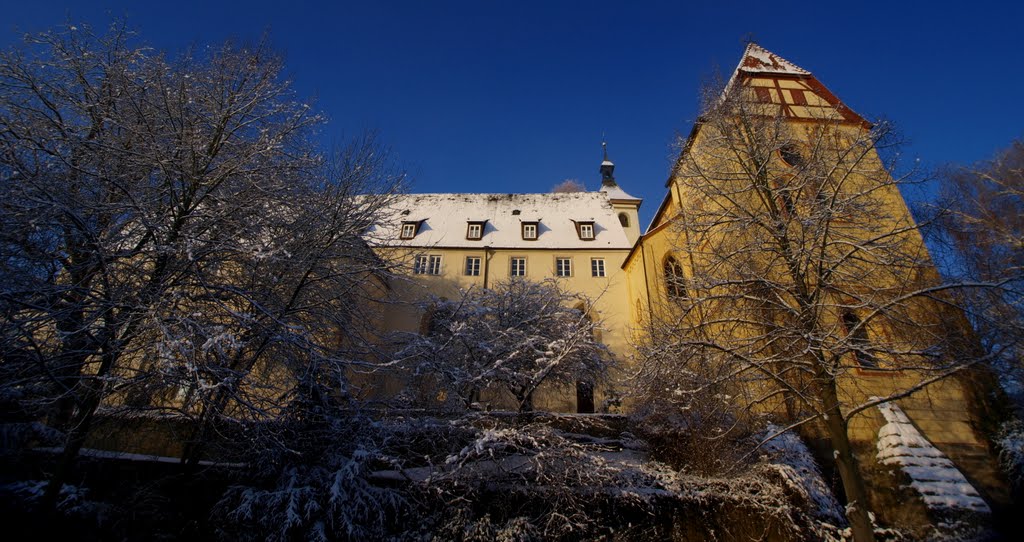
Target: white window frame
x: 419, y: 266
x: 408, y: 230
x: 475, y: 231
x: 530, y: 231
x: 434, y: 261
x: 597, y: 268
x: 586, y: 231
x: 472, y: 266
x: 559, y: 270
x: 427, y: 264
x: 515, y: 270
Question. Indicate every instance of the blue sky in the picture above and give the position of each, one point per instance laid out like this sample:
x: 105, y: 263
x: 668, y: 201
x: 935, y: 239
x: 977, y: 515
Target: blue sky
x: 488, y: 96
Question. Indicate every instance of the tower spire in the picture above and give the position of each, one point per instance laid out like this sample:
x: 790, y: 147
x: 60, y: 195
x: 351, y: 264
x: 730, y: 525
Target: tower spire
x: 607, y: 169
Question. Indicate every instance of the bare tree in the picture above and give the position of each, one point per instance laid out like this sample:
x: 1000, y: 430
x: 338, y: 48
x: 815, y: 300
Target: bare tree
x: 168, y: 228
x: 568, y: 185
x: 518, y: 336
x: 981, y: 226
x: 796, y: 264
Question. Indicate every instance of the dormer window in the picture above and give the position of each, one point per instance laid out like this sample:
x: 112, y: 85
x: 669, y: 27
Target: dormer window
x: 530, y: 231
x: 475, y: 230
x: 409, y: 229
x: 585, y: 230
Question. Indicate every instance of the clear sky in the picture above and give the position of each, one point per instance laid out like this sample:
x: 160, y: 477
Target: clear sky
x: 486, y: 96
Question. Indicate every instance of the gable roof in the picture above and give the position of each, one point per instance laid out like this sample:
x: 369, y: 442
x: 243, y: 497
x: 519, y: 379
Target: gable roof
x: 443, y: 219
x: 757, y: 59
x: 760, y: 63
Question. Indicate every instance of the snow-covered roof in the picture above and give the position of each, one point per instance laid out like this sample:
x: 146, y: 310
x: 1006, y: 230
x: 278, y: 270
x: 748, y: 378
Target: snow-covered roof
x: 616, y: 193
x: 757, y: 59
x: 443, y: 219
x: 931, y: 473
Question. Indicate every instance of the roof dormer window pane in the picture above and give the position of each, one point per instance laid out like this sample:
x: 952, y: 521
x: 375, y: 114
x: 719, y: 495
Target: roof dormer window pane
x: 530, y: 231
x: 586, y: 231
x: 475, y: 230
x: 409, y: 230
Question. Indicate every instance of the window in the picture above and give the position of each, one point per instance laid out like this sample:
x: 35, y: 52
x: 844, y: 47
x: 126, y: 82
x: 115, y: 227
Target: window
x: 563, y: 267
x: 792, y: 155
x: 473, y: 266
x: 624, y: 220
x: 409, y: 229
x: 517, y: 267
x: 675, y: 283
x: 427, y: 265
x: 475, y: 230
x: 585, y: 229
x: 857, y: 338
x: 530, y: 231
x: 597, y: 267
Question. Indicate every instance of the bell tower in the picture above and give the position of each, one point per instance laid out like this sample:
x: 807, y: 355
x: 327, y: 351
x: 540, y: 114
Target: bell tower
x: 626, y: 206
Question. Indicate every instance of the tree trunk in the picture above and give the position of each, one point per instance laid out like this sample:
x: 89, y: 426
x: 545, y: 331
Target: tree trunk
x: 853, y: 483
x: 526, y: 402
x: 81, y: 424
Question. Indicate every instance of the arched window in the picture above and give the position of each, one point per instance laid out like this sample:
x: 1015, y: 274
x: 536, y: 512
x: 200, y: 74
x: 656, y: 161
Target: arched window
x: 675, y: 282
x: 624, y: 220
x: 793, y: 155
x: 857, y: 339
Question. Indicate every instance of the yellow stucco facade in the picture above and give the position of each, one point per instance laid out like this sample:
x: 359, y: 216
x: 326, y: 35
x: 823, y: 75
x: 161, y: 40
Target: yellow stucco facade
x: 632, y: 288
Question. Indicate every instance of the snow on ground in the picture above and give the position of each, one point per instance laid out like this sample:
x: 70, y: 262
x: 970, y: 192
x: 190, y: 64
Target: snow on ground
x: 932, y: 474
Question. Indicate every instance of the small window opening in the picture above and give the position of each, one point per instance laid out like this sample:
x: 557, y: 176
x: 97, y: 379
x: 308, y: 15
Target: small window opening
x: 474, y: 230
x: 675, y: 284
x: 792, y: 155
x: 517, y: 267
x: 473, y: 266
x: 530, y: 231
x: 409, y: 229
x: 857, y: 337
x: 563, y: 267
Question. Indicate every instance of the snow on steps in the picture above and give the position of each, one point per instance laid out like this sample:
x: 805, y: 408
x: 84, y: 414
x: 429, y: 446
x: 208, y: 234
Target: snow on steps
x: 932, y: 474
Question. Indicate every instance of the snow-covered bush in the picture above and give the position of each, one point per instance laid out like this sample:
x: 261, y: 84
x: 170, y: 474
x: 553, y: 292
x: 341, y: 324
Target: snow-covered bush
x: 686, y: 407
x: 1011, y: 450
x: 518, y: 336
x: 330, y: 501
x: 16, y: 436
x: 699, y: 436
x: 788, y: 454
x: 538, y: 482
x: 72, y: 500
